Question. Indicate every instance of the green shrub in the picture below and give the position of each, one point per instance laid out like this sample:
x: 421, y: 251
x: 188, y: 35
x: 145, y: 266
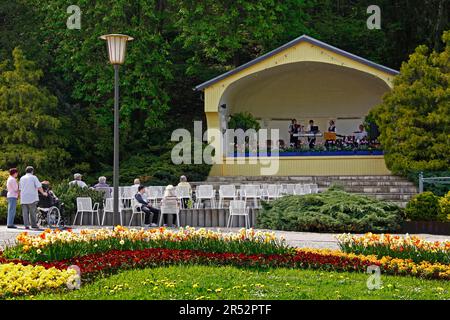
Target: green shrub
x: 244, y: 121
x: 444, y: 207
x: 68, y: 195
x: 423, y: 207
x: 332, y: 211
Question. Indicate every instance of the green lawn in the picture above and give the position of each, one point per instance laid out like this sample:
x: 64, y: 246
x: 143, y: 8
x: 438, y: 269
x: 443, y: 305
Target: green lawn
x: 200, y: 282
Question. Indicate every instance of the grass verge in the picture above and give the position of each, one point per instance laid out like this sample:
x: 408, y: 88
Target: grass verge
x: 223, y: 283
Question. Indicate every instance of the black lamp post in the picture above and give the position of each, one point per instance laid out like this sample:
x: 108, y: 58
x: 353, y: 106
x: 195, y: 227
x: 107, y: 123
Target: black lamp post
x: 117, y: 44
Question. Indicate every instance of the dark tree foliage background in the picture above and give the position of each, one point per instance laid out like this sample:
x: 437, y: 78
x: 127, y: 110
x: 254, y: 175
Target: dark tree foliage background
x: 179, y: 44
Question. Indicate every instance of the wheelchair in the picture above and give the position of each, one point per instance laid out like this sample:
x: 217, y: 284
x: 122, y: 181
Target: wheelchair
x: 48, y: 217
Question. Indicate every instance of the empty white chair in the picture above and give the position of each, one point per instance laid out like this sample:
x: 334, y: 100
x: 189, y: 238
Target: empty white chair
x: 238, y: 208
x: 84, y: 205
x: 182, y: 193
x: 273, y: 192
x: 299, y: 190
x: 128, y: 192
x: 314, y: 188
x: 226, y: 192
x: 107, y: 192
x: 170, y: 206
x: 205, y: 192
x: 288, y: 189
x: 250, y: 191
x: 263, y: 189
x: 136, y: 206
x: 109, y: 208
x: 154, y: 194
x: 307, y: 188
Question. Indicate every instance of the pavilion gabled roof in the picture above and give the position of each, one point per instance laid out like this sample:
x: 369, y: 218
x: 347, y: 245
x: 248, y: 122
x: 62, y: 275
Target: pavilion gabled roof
x: 303, y: 38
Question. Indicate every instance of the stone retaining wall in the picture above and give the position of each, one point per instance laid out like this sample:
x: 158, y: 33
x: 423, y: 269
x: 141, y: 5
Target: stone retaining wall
x: 188, y: 217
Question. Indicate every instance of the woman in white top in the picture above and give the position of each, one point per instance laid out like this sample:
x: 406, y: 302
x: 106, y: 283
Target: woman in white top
x: 13, y: 193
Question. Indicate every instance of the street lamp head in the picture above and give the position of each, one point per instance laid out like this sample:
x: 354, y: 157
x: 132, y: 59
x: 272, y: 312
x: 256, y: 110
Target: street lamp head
x: 117, y: 45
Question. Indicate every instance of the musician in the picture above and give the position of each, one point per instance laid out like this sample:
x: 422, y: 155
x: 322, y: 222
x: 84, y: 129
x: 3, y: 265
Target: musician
x: 312, y: 129
x: 293, y: 130
x: 361, y: 134
x: 332, y: 126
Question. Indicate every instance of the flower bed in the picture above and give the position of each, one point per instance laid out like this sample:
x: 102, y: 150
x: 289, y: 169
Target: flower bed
x: 97, y: 264
x: 59, y: 245
x: 408, y: 247
x: 41, y: 262
x: 16, y: 278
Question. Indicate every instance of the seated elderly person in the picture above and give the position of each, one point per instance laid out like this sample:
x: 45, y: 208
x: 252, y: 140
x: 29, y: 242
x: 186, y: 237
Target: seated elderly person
x: 151, y: 213
x: 77, y: 181
x: 101, y: 183
x: 184, y: 183
x: 136, y: 183
x: 49, y: 199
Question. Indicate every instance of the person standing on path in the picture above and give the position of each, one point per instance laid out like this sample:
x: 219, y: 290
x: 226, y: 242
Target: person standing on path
x: 29, y: 186
x: 13, y: 193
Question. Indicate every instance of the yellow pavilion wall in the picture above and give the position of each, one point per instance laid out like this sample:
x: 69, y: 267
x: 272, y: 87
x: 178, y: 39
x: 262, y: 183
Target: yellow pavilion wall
x: 310, y: 166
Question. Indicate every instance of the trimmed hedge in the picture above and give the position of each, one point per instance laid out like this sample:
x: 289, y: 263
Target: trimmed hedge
x: 332, y: 211
x: 427, y: 206
x: 423, y: 207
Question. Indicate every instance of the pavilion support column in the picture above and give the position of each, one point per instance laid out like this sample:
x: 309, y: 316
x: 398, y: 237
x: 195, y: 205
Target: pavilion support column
x: 214, y: 135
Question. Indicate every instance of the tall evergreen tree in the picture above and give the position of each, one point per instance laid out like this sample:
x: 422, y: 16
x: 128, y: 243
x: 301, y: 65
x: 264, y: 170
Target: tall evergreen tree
x: 29, y: 132
x: 414, y: 118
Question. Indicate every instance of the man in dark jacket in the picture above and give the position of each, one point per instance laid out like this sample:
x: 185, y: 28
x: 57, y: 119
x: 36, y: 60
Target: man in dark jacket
x: 149, y: 211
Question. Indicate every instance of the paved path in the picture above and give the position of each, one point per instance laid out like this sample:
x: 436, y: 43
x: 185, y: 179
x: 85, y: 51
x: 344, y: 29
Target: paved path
x: 297, y: 239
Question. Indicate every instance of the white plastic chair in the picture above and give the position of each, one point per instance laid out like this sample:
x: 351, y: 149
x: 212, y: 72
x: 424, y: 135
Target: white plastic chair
x: 107, y: 192
x: 238, y: 208
x: 169, y: 206
x: 288, y: 189
x: 137, y: 209
x: 226, y: 192
x: 263, y: 189
x: 314, y: 188
x: 109, y: 208
x: 273, y: 191
x: 307, y: 188
x: 127, y: 194
x: 250, y: 191
x: 299, y: 190
x: 154, y: 194
x: 85, y: 205
x: 205, y: 192
x: 182, y: 193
